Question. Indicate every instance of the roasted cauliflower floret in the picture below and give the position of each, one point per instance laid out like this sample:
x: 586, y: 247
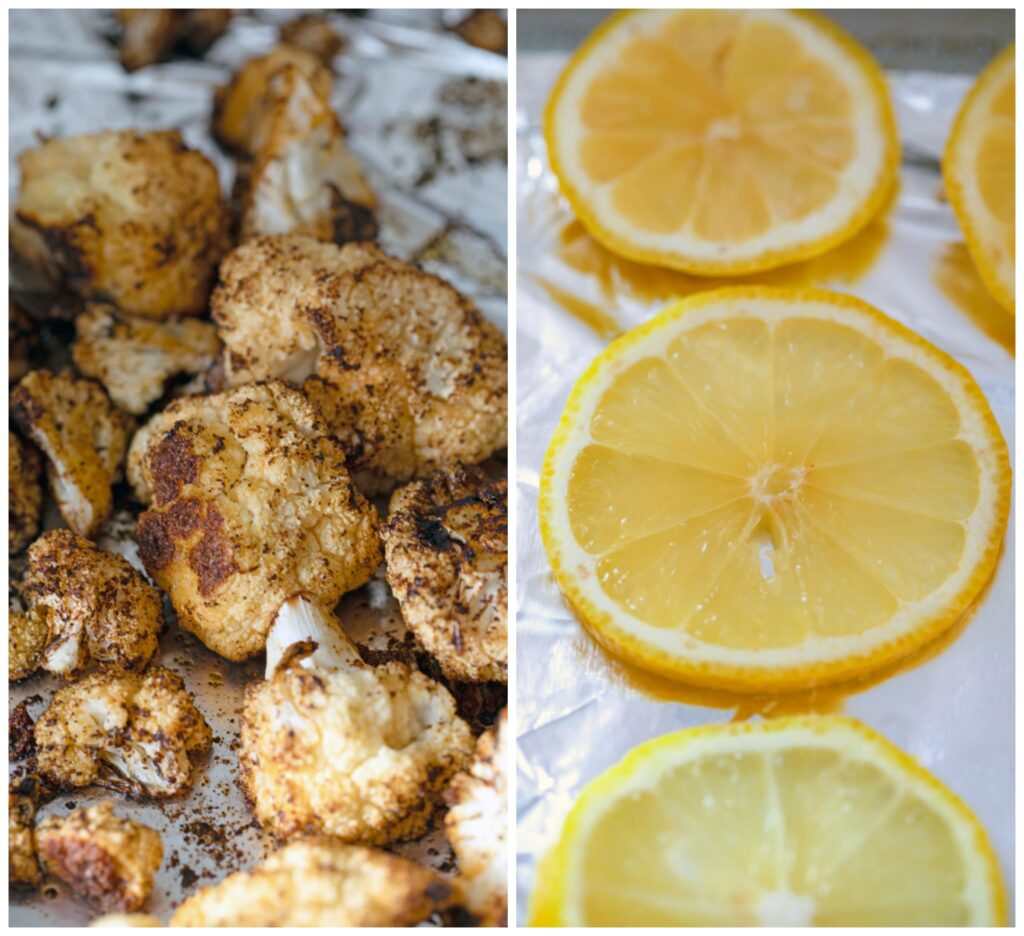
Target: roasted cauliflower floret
x: 102, y: 857
x: 24, y: 493
x: 407, y: 372
x: 251, y: 505
x: 485, y: 29
x: 240, y: 107
x: 27, y: 635
x: 125, y: 920
x: 149, y: 34
x: 133, y: 218
x: 97, y: 606
x: 446, y: 548
x: 131, y: 733
x: 135, y: 357
x: 305, y: 180
x: 313, y: 34
x: 84, y: 440
x: 22, y: 864
x: 21, y: 342
x: 476, y: 823
x: 321, y: 882
x: 332, y: 745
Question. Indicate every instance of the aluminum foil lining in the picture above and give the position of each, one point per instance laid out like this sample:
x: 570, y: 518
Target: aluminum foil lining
x: 578, y: 711
x: 428, y: 116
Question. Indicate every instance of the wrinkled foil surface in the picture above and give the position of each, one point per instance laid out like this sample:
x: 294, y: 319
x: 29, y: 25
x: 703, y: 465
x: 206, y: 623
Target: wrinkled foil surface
x: 427, y: 114
x: 579, y: 711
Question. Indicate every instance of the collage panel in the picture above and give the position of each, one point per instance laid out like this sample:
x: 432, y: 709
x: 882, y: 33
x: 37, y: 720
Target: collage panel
x: 258, y: 526
x: 764, y: 446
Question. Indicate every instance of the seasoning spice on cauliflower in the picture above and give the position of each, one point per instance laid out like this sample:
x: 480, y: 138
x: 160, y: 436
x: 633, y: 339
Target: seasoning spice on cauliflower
x: 332, y: 745
x: 251, y: 505
x: 131, y: 733
x: 102, y: 857
x: 321, y: 882
x: 315, y: 35
x: 150, y: 34
x: 240, y: 107
x: 97, y: 606
x: 21, y: 342
x: 446, y: 548
x: 407, y: 372
x: 27, y: 634
x: 476, y: 823
x: 305, y: 180
x: 84, y: 440
x: 22, y: 864
x: 135, y: 357
x: 24, y: 493
x: 136, y: 219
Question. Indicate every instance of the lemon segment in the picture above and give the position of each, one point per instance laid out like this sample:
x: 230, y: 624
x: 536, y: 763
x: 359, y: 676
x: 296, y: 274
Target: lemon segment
x: 979, y: 173
x: 796, y: 821
x: 767, y: 489
x: 722, y: 141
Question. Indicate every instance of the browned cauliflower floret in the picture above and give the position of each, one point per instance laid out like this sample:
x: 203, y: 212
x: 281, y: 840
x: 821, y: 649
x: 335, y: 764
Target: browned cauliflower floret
x: 125, y: 920
x: 332, y: 745
x: 251, y: 505
x: 313, y: 34
x: 149, y: 34
x: 304, y: 179
x: 135, y: 357
x: 97, y: 606
x: 240, y: 107
x: 133, y: 218
x: 102, y: 857
x: 476, y: 824
x: 24, y: 492
x: 84, y: 440
x: 22, y: 865
x: 407, y: 372
x: 485, y: 29
x: 446, y: 548
x: 321, y: 882
x: 131, y: 733
x: 21, y: 342
x: 27, y: 634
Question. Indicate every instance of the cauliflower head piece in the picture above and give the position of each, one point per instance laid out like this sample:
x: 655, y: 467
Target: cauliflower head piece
x: 321, y: 882
x: 27, y: 635
x: 476, y: 825
x: 22, y: 861
x: 131, y: 733
x: 24, y: 492
x: 240, y: 107
x: 446, y: 549
x: 251, y: 504
x: 136, y: 219
x: 150, y: 34
x: 84, y: 440
x: 331, y: 745
x: 315, y: 35
x: 134, y: 357
x: 97, y: 606
x: 103, y: 857
x: 408, y: 374
x: 304, y: 179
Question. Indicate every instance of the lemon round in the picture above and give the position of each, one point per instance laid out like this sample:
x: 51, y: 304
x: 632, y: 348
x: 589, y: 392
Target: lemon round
x: 980, y: 176
x: 801, y: 821
x: 770, y: 489
x: 722, y: 142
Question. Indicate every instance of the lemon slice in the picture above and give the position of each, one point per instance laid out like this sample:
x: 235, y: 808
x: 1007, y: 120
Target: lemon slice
x: 978, y: 169
x: 769, y: 489
x: 722, y: 141
x: 812, y: 821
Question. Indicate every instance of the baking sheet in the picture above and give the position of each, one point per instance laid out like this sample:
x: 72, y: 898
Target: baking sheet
x: 428, y: 116
x: 578, y: 711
